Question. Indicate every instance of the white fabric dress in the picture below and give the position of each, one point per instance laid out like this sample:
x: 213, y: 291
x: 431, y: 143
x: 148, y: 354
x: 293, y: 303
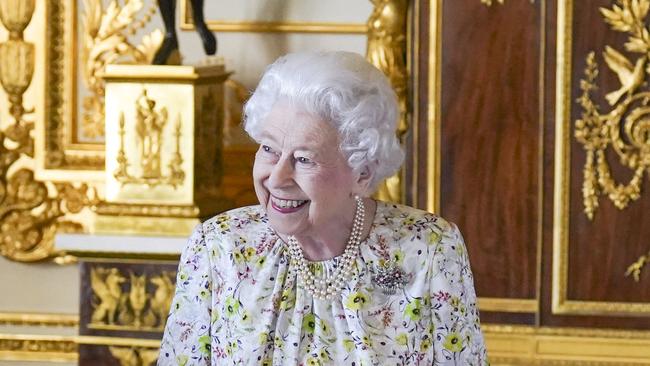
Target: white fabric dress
x: 237, y: 303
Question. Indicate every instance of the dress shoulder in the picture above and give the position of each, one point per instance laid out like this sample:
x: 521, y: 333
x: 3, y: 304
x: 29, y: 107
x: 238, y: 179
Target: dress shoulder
x: 235, y: 227
x: 417, y: 222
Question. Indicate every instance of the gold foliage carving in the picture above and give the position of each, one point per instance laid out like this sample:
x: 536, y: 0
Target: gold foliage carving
x: 30, y: 211
x: 38, y: 345
x: 134, y: 356
x: 149, y: 126
x: 626, y: 126
x: 123, y: 303
x: 635, y: 268
x: 387, y: 51
x: 105, y: 41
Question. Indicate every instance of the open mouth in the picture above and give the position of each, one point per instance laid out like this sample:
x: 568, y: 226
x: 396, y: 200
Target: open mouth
x: 284, y: 205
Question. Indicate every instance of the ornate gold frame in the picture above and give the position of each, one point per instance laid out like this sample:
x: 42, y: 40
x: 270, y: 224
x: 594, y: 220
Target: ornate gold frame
x: 561, y: 304
x: 186, y: 23
x: 58, y: 156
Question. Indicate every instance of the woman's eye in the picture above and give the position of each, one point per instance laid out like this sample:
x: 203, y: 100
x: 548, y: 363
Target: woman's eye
x: 303, y: 160
x: 266, y: 148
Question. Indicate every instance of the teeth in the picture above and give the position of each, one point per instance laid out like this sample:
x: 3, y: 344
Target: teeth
x: 287, y: 203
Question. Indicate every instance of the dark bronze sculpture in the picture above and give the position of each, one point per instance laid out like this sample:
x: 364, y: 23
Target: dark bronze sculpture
x: 170, y: 43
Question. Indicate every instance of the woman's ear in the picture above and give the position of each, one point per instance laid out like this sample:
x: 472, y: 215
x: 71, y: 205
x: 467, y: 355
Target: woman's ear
x: 364, y: 179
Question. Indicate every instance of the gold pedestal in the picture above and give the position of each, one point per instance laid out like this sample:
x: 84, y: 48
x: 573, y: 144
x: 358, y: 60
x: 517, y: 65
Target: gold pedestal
x: 164, y: 129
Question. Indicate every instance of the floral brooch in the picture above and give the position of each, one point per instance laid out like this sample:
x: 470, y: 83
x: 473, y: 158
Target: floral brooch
x: 388, y: 277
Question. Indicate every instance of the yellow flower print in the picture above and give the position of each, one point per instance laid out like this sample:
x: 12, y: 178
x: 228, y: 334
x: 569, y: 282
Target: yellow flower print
x: 425, y: 345
x: 249, y: 253
x: 410, y: 220
x: 231, y: 306
x: 366, y: 341
x: 288, y: 299
x: 413, y: 310
x: 224, y: 226
x: 238, y: 257
x: 266, y: 362
x: 313, y: 361
x: 246, y: 317
x: 348, y: 344
x: 323, y: 355
x: 278, y: 342
x: 460, y: 249
x: 434, y: 238
x: 453, y: 342
x: 309, y: 323
x: 204, y: 293
x: 181, y: 360
x: 263, y: 337
x: 398, y: 257
x: 324, y: 327
x: 204, y: 345
x: 402, y: 339
x: 357, y: 301
x: 182, y: 276
x: 260, y: 262
x: 215, y: 315
x: 231, y: 348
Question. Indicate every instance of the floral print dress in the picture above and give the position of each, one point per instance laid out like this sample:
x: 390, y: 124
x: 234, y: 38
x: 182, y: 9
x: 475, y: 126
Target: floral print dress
x: 238, y: 303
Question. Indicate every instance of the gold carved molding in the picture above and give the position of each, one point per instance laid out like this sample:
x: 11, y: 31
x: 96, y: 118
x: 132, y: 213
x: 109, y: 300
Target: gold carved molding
x: 526, y: 345
x: 134, y: 356
x: 30, y: 211
x: 39, y: 319
x: 187, y: 23
x: 508, y: 305
x: 561, y: 304
x: 18, y: 347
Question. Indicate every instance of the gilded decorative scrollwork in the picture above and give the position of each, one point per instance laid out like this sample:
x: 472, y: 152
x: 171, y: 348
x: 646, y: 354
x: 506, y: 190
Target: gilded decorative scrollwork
x: 124, y: 303
x: 635, y: 268
x: 149, y: 126
x: 105, y: 41
x: 30, y: 211
x: 134, y: 356
x: 625, y: 127
x: 387, y: 51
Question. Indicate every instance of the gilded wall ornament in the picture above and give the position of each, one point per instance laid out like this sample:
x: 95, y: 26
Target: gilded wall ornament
x: 635, y: 268
x: 387, y: 51
x: 624, y: 127
x: 125, y: 303
x: 150, y: 123
x: 134, y: 356
x: 30, y: 211
x: 105, y: 40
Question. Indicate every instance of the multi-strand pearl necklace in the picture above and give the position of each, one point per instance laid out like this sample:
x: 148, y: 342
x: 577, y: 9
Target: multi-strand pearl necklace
x: 327, y: 287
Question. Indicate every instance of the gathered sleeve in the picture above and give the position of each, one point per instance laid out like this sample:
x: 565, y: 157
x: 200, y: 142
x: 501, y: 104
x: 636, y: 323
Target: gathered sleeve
x: 186, y: 340
x: 457, y: 333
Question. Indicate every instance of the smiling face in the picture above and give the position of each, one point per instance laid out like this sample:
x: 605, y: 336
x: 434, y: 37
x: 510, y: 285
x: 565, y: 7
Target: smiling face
x: 301, y: 177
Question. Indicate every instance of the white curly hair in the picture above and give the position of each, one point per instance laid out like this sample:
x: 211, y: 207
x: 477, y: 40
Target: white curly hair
x: 344, y: 89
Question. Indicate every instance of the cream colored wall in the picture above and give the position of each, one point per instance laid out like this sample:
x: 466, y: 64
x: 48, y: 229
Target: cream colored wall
x: 50, y: 288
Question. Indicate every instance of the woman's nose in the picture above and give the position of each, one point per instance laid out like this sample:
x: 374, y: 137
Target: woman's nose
x: 281, y: 174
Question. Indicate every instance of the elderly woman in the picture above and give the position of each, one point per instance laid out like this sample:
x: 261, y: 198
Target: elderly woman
x: 319, y: 273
